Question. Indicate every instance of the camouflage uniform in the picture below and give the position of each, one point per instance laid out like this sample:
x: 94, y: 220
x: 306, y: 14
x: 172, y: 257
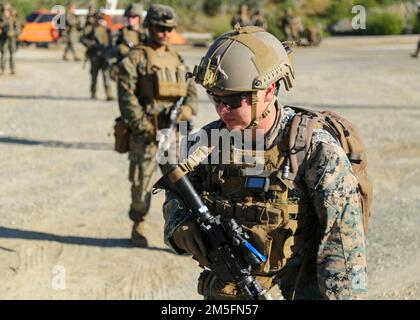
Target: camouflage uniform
x: 241, y: 17
x: 127, y: 38
x: 98, y: 41
x: 9, y: 31
x: 70, y: 33
x: 139, y: 109
x: 336, y: 267
x: 258, y: 19
x: 308, y: 224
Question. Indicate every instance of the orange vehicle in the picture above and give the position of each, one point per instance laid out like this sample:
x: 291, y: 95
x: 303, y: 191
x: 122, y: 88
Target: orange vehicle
x: 39, y: 28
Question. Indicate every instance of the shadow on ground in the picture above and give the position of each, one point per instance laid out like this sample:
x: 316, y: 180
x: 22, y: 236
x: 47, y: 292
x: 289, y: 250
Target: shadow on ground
x: 58, y: 144
x: 9, y: 233
x: 42, y: 97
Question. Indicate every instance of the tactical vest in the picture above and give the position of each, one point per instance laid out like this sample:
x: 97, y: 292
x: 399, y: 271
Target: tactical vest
x: 131, y: 38
x: 161, y: 77
x: 279, y: 220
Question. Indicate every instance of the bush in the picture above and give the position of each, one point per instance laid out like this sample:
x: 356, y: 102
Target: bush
x: 212, y: 7
x: 273, y: 27
x: 416, y: 24
x: 384, y: 23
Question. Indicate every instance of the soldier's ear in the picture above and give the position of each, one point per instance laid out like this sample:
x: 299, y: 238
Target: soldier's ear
x: 270, y: 92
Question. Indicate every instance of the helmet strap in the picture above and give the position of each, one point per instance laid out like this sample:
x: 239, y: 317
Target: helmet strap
x: 255, y: 120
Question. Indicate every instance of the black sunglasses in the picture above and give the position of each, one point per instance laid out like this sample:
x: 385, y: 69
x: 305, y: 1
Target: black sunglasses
x: 233, y: 101
x: 164, y: 29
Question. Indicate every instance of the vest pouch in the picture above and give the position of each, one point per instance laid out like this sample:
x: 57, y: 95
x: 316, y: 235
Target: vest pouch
x: 122, y: 136
x: 169, y: 85
x: 262, y: 242
x: 146, y: 86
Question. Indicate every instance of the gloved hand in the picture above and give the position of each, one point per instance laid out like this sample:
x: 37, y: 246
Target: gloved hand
x: 188, y: 238
x: 185, y: 114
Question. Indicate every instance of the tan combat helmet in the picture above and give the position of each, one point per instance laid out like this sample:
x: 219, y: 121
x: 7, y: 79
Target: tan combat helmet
x: 160, y: 15
x: 247, y: 59
x: 134, y: 9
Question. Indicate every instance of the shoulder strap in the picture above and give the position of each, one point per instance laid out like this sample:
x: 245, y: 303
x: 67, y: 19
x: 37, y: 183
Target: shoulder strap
x: 300, y: 136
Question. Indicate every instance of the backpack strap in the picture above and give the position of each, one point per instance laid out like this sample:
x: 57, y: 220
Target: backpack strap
x: 300, y: 136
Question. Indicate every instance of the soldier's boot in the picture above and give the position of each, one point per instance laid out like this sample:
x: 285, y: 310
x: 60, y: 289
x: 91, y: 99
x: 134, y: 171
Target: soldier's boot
x: 65, y: 58
x: 93, y: 95
x: 137, y: 235
x: 109, y: 96
x: 416, y: 54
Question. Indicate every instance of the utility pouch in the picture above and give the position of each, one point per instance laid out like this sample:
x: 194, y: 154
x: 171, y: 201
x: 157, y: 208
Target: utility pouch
x: 122, y: 135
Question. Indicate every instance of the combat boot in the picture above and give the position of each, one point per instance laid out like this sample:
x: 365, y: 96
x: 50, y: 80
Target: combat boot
x: 137, y: 235
x: 109, y: 96
x: 93, y: 95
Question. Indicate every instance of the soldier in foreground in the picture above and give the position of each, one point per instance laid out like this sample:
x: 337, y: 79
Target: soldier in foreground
x: 151, y: 80
x: 9, y: 32
x: 98, y: 41
x: 303, y: 211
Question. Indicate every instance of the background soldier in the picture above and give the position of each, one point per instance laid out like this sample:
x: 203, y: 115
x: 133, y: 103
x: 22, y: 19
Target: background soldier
x: 288, y: 24
x: 129, y: 36
x: 308, y: 224
x: 241, y: 17
x: 98, y: 41
x: 151, y: 80
x: 258, y: 19
x: 416, y: 53
x: 71, y: 32
x: 9, y: 31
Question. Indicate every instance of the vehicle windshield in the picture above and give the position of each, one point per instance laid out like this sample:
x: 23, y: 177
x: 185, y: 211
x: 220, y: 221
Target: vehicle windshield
x: 46, y: 18
x: 32, y: 17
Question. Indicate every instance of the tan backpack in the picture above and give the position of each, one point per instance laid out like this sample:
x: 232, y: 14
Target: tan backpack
x: 302, y: 127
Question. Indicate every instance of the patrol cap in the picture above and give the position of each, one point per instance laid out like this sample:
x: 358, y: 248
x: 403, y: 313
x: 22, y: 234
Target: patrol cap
x: 160, y: 15
x: 134, y: 9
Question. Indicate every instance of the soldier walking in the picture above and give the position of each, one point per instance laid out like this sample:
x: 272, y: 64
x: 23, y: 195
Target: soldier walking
x: 151, y: 79
x: 9, y: 31
x: 98, y: 41
x: 70, y: 33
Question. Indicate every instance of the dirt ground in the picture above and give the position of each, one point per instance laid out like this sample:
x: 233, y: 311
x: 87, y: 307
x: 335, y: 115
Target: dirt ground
x: 64, y: 193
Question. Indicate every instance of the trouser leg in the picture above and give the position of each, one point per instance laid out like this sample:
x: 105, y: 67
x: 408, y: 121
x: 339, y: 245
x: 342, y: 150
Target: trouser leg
x: 141, y: 168
x: 107, y: 80
x: 12, y: 50
x: 94, y: 70
x: 142, y: 165
x: 3, y: 45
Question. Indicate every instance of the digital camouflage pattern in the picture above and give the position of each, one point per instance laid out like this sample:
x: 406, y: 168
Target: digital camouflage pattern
x: 144, y: 118
x: 97, y: 39
x: 9, y: 32
x: 335, y: 267
x: 71, y: 32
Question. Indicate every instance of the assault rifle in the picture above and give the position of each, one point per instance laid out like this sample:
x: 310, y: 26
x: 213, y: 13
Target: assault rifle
x: 230, y: 254
x: 167, y: 135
